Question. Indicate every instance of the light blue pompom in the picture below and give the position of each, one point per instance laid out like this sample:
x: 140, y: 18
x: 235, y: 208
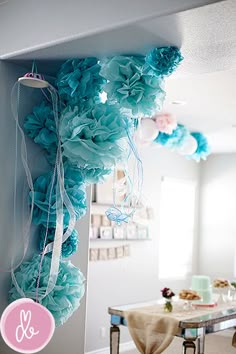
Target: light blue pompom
x: 94, y: 138
x: 90, y: 175
x: 96, y: 175
x: 40, y: 126
x: 78, y: 80
x: 129, y: 87
x: 163, y: 61
x: 203, y: 148
x: 174, y: 140
x: 64, y: 299
x: 44, y: 211
x: 69, y: 247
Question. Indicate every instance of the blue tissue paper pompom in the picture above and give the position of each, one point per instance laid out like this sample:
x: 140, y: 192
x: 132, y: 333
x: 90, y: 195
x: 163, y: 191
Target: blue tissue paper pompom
x: 69, y: 247
x: 129, y: 87
x: 94, y: 138
x: 163, y: 61
x: 40, y: 126
x: 44, y: 211
x: 79, y: 80
x: 64, y: 299
x: 96, y: 175
x: 174, y: 140
x: 203, y: 148
x: 90, y: 175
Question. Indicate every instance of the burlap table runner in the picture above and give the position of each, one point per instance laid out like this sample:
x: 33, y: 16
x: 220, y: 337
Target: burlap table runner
x: 152, y: 330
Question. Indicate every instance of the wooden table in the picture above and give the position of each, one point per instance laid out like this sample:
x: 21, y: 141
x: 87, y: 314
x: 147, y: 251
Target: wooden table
x: 192, y: 329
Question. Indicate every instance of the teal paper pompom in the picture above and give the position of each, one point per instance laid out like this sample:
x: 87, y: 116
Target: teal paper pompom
x: 90, y: 175
x: 64, y: 299
x: 129, y: 87
x: 69, y: 247
x: 94, y: 138
x: 40, y: 126
x: 203, y: 148
x: 45, y: 212
x: 96, y: 175
x: 174, y: 140
x: 78, y: 80
x: 163, y: 61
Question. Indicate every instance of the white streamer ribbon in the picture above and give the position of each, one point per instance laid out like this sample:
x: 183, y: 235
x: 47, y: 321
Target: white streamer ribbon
x: 62, y: 198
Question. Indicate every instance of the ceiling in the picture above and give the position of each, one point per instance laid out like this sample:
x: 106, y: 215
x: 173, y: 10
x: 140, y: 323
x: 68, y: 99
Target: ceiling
x: 206, y: 79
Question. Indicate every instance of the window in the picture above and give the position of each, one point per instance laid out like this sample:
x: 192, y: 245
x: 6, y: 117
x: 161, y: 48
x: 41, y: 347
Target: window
x: 177, y: 218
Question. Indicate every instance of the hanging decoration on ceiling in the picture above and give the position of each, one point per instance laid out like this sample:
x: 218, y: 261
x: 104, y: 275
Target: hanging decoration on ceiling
x: 163, y: 61
x: 86, y: 128
x: 203, y: 148
x: 136, y: 92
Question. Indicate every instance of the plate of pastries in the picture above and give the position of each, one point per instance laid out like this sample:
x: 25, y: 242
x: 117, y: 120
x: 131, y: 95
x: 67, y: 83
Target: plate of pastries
x: 221, y: 283
x: 189, y: 295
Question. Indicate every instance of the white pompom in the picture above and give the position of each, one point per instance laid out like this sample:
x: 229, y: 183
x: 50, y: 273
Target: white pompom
x: 189, y: 147
x: 148, y: 130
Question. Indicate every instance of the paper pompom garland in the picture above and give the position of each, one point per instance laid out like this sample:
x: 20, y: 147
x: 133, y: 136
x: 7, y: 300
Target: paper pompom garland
x: 203, y: 148
x: 130, y: 88
x: 66, y: 295
x: 174, y: 140
x: 78, y: 80
x: 163, y: 61
x: 69, y: 247
x: 40, y: 126
x: 45, y: 212
x: 93, y: 140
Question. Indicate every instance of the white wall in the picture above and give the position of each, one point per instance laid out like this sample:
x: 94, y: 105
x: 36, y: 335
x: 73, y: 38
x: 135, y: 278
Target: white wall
x: 134, y: 279
x: 217, y: 216
x: 71, y: 335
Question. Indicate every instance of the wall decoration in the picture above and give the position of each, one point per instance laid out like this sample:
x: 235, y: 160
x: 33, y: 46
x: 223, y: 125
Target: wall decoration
x: 83, y: 138
x: 108, y: 254
x: 126, y: 251
x: 119, y: 233
x: 119, y: 252
x: 111, y: 253
x: 93, y: 252
x: 142, y: 232
x: 131, y: 231
x: 102, y: 254
x: 105, y: 232
x: 94, y: 232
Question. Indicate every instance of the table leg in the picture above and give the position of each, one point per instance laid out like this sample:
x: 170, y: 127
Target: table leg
x: 189, y: 347
x: 114, y: 339
x: 201, y: 344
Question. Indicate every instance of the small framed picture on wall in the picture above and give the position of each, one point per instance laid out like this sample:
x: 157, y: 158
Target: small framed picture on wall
x: 131, y: 230
x: 118, y: 232
x: 106, y: 232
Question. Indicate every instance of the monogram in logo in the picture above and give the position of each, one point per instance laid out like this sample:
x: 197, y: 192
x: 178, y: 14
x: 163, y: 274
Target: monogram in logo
x: 26, y: 326
x: 24, y: 330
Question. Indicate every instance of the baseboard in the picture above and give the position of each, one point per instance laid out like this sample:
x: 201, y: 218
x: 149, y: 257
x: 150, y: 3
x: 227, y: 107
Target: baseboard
x: 124, y: 347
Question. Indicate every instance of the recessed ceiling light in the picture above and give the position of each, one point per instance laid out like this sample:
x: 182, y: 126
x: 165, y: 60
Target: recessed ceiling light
x: 178, y: 102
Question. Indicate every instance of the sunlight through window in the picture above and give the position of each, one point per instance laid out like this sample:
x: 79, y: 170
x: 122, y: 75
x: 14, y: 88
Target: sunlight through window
x: 177, y: 219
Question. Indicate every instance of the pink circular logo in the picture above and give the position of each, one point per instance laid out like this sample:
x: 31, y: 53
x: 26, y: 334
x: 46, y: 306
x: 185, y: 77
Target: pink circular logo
x: 26, y: 326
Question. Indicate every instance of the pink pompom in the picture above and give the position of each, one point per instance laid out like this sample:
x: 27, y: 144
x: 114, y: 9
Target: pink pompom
x: 165, y: 122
